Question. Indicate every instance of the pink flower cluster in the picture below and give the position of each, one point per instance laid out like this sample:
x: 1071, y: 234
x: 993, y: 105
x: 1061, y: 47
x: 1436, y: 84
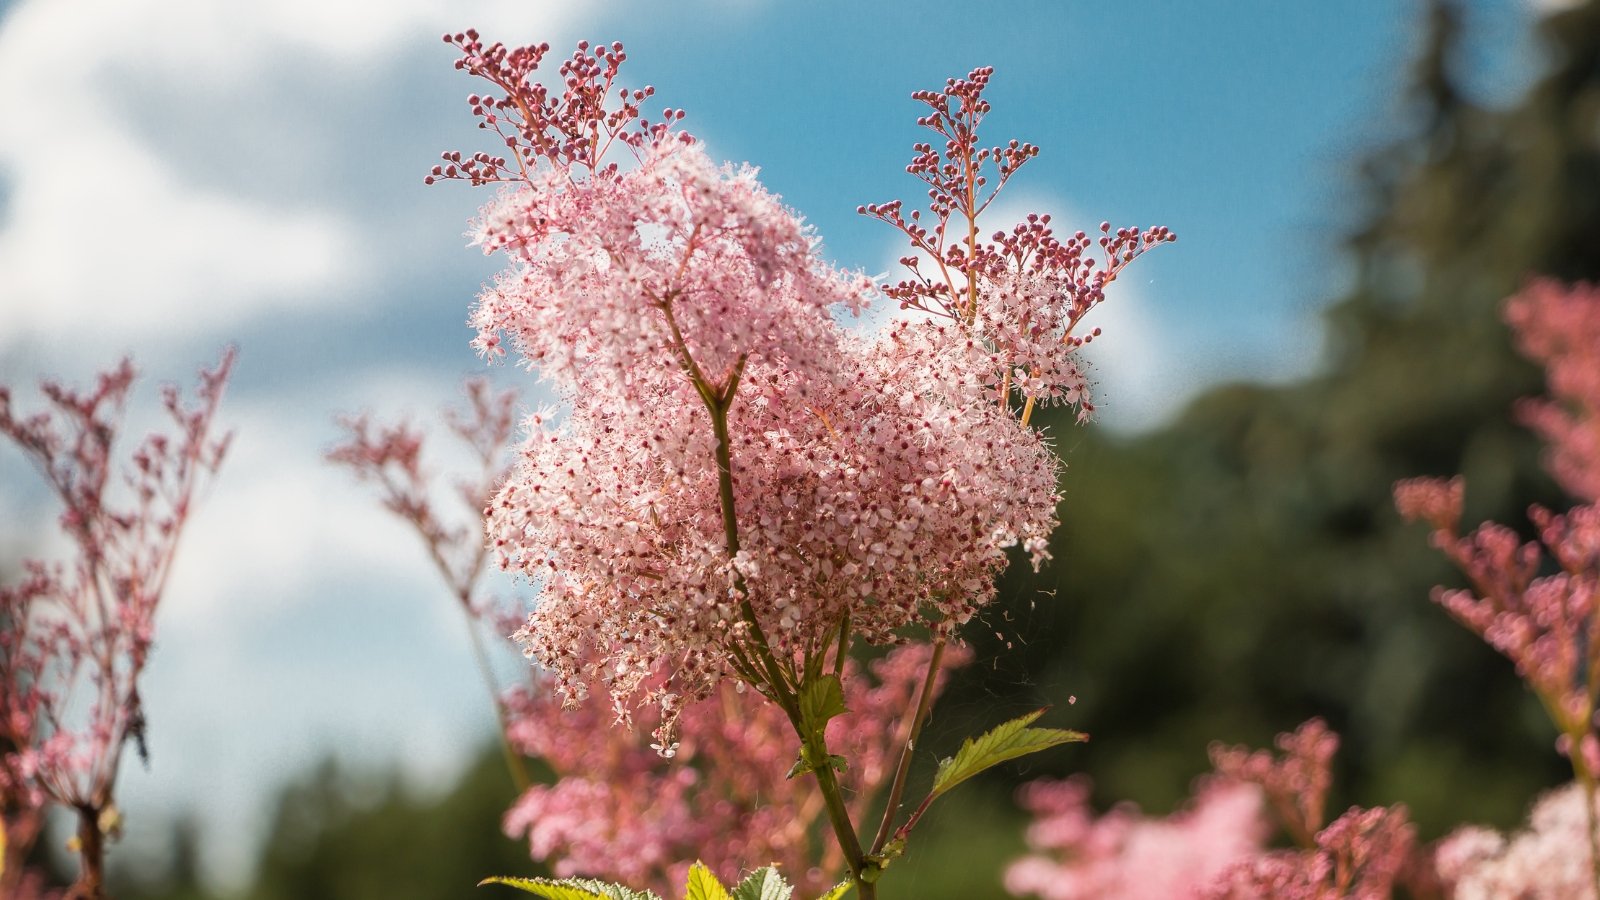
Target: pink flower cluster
x: 618, y: 811
x: 1547, y: 624
x: 77, y: 634
x: 1558, y: 326
x: 1295, y: 780
x: 1539, y: 602
x: 735, y: 473
x: 1216, y: 848
x: 1022, y: 293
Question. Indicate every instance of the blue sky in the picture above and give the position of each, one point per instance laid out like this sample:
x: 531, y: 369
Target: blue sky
x: 176, y: 174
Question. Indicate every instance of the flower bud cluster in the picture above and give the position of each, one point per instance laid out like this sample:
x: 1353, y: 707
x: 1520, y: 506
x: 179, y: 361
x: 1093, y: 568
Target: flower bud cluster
x: 1021, y: 293
x: 570, y: 131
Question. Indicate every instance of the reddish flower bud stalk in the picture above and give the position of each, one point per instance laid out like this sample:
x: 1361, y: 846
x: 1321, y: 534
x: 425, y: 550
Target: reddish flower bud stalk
x: 740, y: 486
x: 1547, y: 625
x: 390, y: 456
x: 77, y: 634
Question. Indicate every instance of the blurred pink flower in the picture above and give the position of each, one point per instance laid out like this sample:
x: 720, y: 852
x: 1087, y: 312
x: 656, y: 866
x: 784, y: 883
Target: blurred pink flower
x: 77, y: 634
x: 1548, y: 860
x: 1124, y: 856
x: 1216, y: 847
x: 1539, y: 602
x: 618, y: 810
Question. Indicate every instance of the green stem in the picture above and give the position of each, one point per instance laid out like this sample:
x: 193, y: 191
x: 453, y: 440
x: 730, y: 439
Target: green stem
x: 781, y: 681
x: 913, y: 729
x: 865, y: 876
x: 718, y: 400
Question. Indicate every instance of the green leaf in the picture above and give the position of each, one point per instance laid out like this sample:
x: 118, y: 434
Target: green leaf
x: 571, y: 889
x: 801, y: 766
x: 703, y: 885
x: 838, y: 890
x: 820, y: 700
x: 763, y: 884
x: 1008, y: 741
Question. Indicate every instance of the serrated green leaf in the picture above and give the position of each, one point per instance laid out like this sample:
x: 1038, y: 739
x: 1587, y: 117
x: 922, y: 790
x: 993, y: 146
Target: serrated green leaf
x: 838, y: 890
x: 763, y: 884
x: 703, y: 885
x: 1003, y: 742
x: 545, y: 888
x: 570, y: 889
x: 821, y: 699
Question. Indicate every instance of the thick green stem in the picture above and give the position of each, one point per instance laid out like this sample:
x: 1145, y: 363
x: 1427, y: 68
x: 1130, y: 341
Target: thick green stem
x: 865, y: 875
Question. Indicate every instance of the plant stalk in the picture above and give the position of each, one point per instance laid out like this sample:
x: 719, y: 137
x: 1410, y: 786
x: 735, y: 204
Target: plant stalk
x: 839, y: 817
x: 897, y: 788
x: 91, y: 852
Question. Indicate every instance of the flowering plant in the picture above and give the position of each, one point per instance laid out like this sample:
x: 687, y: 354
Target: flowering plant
x: 740, y: 488
x: 1533, y: 601
x: 76, y: 636
x: 1539, y: 602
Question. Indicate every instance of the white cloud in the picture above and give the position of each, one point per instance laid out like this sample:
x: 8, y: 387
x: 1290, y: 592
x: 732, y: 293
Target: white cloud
x: 279, y: 514
x: 106, y: 239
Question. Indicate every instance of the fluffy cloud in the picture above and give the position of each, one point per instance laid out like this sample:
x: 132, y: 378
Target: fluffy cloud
x: 106, y: 235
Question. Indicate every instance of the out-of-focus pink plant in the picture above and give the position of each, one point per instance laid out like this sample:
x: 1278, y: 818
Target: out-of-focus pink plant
x: 390, y: 456
x: 1123, y: 855
x: 1536, y: 602
x: 76, y: 635
x: 620, y: 811
x: 1360, y: 855
x: 1216, y: 847
x: 740, y: 487
x: 1296, y: 779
